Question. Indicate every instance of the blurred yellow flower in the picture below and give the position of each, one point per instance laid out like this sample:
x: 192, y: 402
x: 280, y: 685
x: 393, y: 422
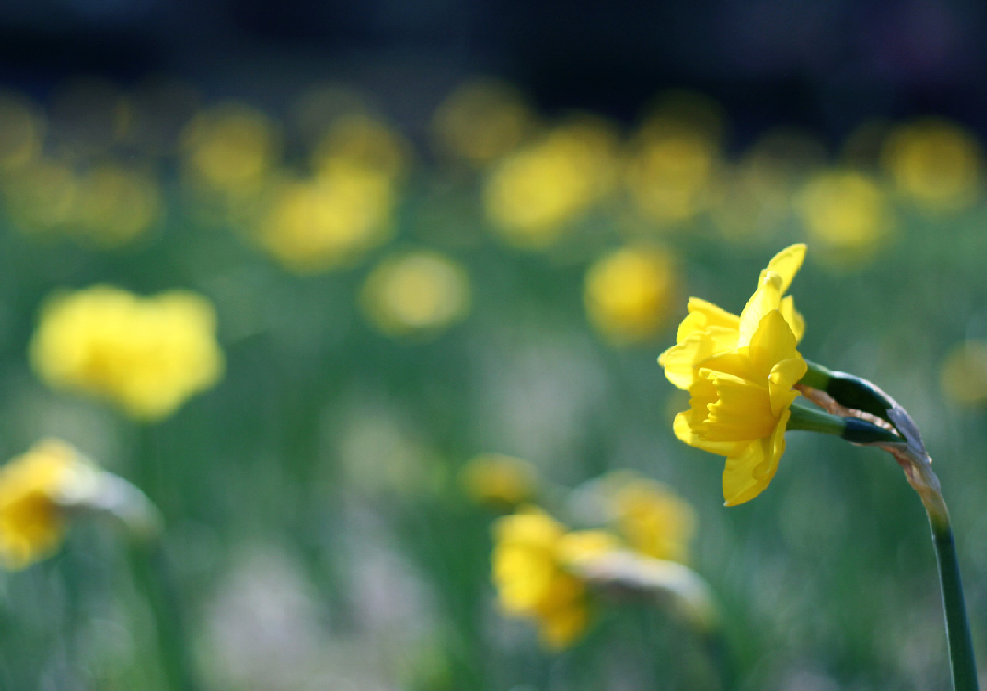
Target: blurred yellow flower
x: 416, y: 293
x: 963, y: 373
x: 499, y: 480
x: 41, y: 197
x: 629, y: 292
x: 358, y: 141
x: 671, y: 170
x: 848, y: 214
x: 482, y: 121
x: 41, y: 488
x: 31, y: 522
x: 740, y: 373
x: 145, y: 354
x: 316, y: 225
x: 534, y: 193
x: 649, y: 516
x: 21, y: 131
x: 229, y: 147
x: 115, y: 204
x: 936, y: 163
x: 533, y: 559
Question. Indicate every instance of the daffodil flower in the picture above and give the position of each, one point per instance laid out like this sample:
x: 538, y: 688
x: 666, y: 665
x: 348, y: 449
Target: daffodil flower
x: 709, y: 330
x: 740, y: 372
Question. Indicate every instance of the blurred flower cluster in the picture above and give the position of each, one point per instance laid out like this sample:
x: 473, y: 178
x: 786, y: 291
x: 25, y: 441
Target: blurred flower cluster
x: 147, y: 355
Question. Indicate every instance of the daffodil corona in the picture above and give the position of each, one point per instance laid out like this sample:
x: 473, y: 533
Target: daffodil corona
x: 740, y: 372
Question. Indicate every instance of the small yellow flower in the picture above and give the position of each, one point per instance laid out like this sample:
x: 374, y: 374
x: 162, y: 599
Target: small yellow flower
x: 649, y: 516
x: 670, y: 174
x: 229, y: 147
x: 145, y: 354
x: 533, y: 558
x: 740, y: 373
x: 40, y: 489
x: 31, y: 524
x: 628, y: 293
x: 497, y: 479
x: 533, y: 194
x: 964, y: 373
x: 936, y: 163
x: 847, y: 212
x: 326, y: 222
x: 482, y: 121
x: 416, y: 293
x: 21, y: 131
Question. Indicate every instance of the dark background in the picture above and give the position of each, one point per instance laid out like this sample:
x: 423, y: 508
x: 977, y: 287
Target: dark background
x: 826, y: 66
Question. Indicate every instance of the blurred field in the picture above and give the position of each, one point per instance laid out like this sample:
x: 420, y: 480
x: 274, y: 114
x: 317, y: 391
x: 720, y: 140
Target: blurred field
x: 390, y: 304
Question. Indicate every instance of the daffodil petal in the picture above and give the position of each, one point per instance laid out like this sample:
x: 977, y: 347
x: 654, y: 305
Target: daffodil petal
x: 772, y: 342
x: 680, y: 361
x: 791, y: 315
x: 786, y: 264
x: 766, y: 298
x: 783, y: 377
x: 703, y: 315
x: 747, y: 475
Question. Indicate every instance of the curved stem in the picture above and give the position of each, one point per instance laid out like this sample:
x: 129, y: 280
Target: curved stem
x: 961, y: 660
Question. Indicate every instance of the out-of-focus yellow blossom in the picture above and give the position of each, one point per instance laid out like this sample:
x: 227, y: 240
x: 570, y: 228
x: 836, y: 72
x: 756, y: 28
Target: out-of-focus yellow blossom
x: 116, y: 204
x: 499, y: 480
x: 671, y: 169
x: 744, y: 209
x: 41, y: 197
x: 629, y: 292
x: 740, y: 373
x: 936, y: 163
x: 364, y: 143
x: 31, y: 523
x: 230, y: 148
x: 533, y: 558
x: 847, y: 212
x: 482, y: 121
x: 41, y: 488
x: 649, y: 516
x: 22, y: 130
x: 416, y: 293
x: 316, y: 225
x: 534, y: 193
x: 145, y: 354
x: 963, y: 374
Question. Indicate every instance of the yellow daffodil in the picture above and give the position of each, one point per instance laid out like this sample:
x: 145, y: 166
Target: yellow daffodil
x: 740, y: 373
x: 628, y: 293
x: 649, y: 516
x: 41, y: 488
x: 145, y: 354
x: 416, y: 294
x: 494, y: 478
x: 534, y: 558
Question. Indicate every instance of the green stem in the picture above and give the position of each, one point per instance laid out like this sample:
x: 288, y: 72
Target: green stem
x: 154, y: 577
x: 852, y: 429
x: 962, y: 663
